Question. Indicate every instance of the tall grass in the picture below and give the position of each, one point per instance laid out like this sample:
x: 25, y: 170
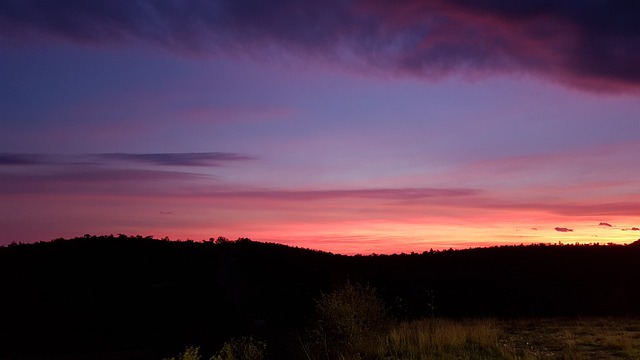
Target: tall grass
x: 442, y: 339
x: 234, y: 349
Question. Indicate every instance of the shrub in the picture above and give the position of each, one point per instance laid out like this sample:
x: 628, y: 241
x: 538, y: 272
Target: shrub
x: 349, y: 322
x: 190, y: 353
x: 241, y: 349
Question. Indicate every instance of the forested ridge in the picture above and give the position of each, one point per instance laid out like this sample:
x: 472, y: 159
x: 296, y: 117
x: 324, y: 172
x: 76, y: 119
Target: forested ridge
x: 143, y: 296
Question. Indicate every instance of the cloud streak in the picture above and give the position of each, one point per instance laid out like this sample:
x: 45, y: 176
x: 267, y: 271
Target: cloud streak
x: 190, y: 175
x: 161, y: 159
x: 563, y: 229
x: 159, y: 173
x: 88, y: 179
x: 177, y: 159
x: 380, y: 194
x: 10, y: 159
x: 591, y: 44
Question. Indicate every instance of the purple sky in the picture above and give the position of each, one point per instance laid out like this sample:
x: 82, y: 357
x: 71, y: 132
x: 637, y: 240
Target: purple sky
x: 348, y: 126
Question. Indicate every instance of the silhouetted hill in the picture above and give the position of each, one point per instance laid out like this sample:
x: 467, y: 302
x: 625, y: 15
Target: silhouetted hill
x: 145, y: 297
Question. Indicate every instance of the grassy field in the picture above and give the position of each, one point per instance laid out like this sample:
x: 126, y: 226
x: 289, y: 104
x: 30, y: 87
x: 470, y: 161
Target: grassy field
x: 601, y: 338
x: 444, y: 339
x: 351, y: 324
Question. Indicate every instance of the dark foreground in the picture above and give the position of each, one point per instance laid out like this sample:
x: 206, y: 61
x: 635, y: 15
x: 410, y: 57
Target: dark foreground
x: 140, y: 298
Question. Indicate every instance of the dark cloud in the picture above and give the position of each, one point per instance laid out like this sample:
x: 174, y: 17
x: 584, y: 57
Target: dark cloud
x: 164, y: 159
x: 107, y: 173
x: 605, y: 224
x: 10, y: 159
x: 563, y: 229
x: 592, y: 43
x: 167, y: 213
x: 177, y: 159
x: 89, y: 179
x: 631, y: 229
x: 389, y: 194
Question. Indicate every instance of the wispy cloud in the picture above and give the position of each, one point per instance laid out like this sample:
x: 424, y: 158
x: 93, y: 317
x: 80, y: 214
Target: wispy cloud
x: 578, y: 43
x: 383, y: 194
x: 177, y: 159
x: 88, y: 179
x: 162, y: 173
x: 631, y: 229
x: 11, y: 159
x: 563, y: 229
x: 162, y: 159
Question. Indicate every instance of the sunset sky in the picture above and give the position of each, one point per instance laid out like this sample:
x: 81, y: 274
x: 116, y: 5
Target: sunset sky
x: 352, y: 126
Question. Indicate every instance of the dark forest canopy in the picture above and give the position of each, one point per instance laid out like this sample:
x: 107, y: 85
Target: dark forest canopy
x: 222, y: 240
x: 125, y: 293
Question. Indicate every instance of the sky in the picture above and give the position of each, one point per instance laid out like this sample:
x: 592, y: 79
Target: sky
x: 350, y: 126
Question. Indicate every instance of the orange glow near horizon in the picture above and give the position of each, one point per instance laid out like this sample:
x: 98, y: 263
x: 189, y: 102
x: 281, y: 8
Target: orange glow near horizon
x: 347, y: 226
x: 387, y: 237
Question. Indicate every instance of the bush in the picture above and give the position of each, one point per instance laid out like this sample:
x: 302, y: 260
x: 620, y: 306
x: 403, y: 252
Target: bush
x: 236, y: 349
x: 190, y: 353
x: 241, y: 349
x: 349, y: 322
